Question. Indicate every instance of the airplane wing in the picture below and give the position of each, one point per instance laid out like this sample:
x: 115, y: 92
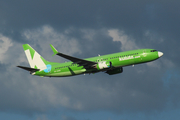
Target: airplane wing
x: 75, y: 60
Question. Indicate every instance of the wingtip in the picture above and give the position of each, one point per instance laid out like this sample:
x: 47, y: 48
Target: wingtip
x: 53, y: 49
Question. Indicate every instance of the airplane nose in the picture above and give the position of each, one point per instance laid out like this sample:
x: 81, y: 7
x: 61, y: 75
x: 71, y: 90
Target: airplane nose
x: 160, y: 54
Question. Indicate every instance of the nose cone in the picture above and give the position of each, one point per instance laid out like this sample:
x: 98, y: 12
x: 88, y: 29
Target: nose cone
x: 160, y: 54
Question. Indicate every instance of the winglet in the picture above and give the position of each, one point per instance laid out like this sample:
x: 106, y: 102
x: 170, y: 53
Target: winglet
x: 54, y: 50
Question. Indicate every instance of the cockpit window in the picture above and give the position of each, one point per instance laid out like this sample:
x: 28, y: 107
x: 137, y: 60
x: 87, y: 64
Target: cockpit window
x: 153, y: 50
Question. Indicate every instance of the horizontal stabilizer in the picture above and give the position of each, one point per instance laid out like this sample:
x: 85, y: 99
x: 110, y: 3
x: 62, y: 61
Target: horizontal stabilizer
x: 29, y: 69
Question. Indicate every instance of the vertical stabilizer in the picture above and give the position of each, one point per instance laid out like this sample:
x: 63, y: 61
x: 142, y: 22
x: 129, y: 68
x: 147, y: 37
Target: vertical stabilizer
x: 35, y: 60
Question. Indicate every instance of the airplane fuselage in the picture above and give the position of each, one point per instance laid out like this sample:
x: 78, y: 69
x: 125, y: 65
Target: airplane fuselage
x: 104, y: 63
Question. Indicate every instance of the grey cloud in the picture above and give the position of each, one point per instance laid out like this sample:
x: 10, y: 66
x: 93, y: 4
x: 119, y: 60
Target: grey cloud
x: 135, y: 18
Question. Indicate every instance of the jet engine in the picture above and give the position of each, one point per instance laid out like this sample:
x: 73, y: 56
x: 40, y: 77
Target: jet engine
x: 115, y: 71
x: 103, y: 65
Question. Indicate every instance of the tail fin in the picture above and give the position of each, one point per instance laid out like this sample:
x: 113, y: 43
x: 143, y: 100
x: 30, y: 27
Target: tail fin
x: 35, y: 60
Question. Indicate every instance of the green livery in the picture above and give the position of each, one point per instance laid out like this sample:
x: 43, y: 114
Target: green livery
x: 111, y: 63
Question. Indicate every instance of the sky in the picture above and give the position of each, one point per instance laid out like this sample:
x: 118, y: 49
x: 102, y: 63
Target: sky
x: 86, y: 28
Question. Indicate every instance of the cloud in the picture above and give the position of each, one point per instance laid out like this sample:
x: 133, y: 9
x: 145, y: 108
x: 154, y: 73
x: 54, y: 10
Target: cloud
x: 5, y: 44
x: 127, y: 42
x: 45, y: 35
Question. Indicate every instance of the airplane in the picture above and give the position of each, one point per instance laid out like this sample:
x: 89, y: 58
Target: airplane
x: 110, y: 64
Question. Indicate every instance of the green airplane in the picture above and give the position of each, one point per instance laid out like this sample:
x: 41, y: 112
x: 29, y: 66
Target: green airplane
x: 110, y: 64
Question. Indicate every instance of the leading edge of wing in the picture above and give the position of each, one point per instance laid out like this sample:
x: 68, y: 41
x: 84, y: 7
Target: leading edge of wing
x: 75, y: 60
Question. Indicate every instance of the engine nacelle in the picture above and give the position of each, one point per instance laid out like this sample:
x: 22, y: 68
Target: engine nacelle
x: 103, y: 65
x: 115, y: 71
